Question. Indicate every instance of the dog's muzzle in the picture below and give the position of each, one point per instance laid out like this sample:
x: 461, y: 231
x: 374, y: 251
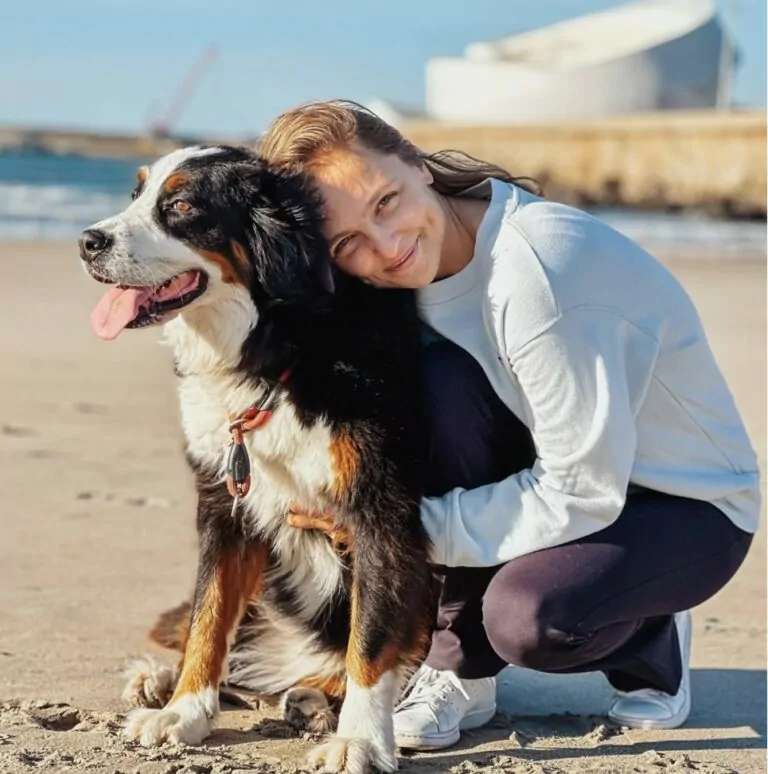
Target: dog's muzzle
x: 93, y: 243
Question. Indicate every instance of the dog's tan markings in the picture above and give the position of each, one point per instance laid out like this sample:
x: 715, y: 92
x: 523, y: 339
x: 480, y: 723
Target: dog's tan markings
x: 334, y: 687
x: 365, y: 671
x: 236, y: 578
x: 241, y: 257
x: 345, y: 459
x: 175, y: 182
x: 142, y: 175
x: 411, y: 653
x: 228, y: 270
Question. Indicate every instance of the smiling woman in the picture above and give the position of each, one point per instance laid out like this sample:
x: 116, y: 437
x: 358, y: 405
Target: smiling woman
x: 390, y: 208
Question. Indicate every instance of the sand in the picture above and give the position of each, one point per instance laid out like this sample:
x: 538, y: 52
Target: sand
x: 97, y: 536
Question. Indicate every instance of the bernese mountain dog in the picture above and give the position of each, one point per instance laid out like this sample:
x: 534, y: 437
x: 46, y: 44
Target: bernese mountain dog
x: 298, y: 388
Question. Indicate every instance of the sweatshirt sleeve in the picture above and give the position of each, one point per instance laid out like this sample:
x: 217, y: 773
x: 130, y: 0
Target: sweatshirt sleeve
x: 583, y: 379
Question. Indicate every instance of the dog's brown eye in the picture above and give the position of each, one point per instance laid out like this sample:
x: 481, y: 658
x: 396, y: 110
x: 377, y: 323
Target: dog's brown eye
x: 181, y: 206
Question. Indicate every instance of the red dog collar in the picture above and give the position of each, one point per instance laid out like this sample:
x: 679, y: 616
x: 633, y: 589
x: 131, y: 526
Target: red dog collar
x: 238, y: 462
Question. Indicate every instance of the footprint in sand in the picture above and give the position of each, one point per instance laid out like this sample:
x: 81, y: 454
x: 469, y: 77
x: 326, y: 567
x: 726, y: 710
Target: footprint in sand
x: 17, y: 431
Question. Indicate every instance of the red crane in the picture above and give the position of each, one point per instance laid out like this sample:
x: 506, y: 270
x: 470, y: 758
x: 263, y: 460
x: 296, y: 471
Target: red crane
x: 163, y: 126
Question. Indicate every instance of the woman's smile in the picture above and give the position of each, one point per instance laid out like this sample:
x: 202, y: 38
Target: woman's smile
x: 406, y: 261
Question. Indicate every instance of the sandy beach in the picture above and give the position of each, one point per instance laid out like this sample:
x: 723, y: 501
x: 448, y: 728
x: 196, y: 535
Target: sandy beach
x: 97, y: 537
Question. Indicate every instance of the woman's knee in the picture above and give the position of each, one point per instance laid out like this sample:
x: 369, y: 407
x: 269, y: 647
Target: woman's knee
x: 527, y: 625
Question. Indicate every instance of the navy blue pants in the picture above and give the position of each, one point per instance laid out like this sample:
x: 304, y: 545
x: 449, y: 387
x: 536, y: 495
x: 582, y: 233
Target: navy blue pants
x: 600, y: 603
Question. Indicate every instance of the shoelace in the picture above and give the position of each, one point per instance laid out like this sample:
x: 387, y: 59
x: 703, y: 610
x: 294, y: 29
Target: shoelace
x: 426, y: 682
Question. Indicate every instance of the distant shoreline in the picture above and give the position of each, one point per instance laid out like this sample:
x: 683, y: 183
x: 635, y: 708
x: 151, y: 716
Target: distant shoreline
x: 673, y: 161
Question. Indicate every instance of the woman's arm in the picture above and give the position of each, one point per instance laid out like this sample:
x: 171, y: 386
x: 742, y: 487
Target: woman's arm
x: 583, y: 379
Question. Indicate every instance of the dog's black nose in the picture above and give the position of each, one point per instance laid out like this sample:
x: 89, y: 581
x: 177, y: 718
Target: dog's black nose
x: 92, y: 243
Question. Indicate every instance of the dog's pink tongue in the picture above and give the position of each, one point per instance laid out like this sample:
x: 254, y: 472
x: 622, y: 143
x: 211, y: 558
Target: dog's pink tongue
x: 116, y: 309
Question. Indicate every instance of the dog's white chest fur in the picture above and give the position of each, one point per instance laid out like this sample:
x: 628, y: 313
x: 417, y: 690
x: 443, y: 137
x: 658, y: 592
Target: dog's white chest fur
x: 290, y: 466
x: 287, y: 460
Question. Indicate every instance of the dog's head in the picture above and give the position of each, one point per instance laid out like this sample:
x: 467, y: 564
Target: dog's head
x: 207, y: 225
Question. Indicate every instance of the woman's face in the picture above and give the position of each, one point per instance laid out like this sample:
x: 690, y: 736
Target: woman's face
x: 384, y: 223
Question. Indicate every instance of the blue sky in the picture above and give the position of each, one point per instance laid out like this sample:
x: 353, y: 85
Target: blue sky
x: 104, y: 63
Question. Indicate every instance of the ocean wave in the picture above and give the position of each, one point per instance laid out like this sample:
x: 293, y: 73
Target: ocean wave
x: 53, y: 211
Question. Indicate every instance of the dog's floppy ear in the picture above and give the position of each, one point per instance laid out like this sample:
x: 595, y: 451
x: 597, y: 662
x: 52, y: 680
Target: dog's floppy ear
x: 289, y: 263
x: 327, y: 276
x: 291, y: 257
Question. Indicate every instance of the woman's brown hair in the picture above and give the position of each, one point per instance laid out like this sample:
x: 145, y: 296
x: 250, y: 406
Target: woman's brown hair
x: 302, y: 137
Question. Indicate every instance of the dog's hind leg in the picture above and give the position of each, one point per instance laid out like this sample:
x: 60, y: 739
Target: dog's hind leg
x: 308, y: 709
x: 312, y: 705
x: 149, y: 684
x: 171, y: 629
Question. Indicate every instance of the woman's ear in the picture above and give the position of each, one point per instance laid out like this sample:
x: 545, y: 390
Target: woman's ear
x: 426, y: 175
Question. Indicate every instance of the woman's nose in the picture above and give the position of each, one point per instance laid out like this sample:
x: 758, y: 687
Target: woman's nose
x: 386, y: 243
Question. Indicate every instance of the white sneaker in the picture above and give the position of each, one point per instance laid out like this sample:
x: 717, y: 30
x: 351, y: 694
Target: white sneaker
x: 648, y: 708
x: 439, y: 705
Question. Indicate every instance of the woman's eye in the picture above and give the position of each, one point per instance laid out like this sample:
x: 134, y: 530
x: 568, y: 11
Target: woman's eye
x: 385, y: 200
x: 181, y: 206
x: 342, y: 243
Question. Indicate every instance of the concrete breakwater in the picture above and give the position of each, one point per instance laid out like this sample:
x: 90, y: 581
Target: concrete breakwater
x: 710, y: 161
x: 715, y: 162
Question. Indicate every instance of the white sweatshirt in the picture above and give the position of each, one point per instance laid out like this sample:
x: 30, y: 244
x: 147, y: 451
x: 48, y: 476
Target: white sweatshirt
x: 601, y: 354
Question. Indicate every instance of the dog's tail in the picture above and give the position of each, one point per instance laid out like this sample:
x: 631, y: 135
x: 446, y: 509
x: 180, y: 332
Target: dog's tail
x: 172, y: 627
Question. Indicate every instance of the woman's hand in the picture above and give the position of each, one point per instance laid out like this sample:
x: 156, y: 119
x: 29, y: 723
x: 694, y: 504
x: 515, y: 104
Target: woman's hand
x: 303, y: 518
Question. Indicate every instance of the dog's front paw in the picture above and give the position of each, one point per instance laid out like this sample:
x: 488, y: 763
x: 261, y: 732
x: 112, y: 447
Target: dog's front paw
x: 365, y: 739
x: 351, y: 756
x: 186, y: 720
x: 149, y: 684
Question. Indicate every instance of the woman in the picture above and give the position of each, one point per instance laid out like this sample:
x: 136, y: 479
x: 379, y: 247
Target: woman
x: 541, y: 323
